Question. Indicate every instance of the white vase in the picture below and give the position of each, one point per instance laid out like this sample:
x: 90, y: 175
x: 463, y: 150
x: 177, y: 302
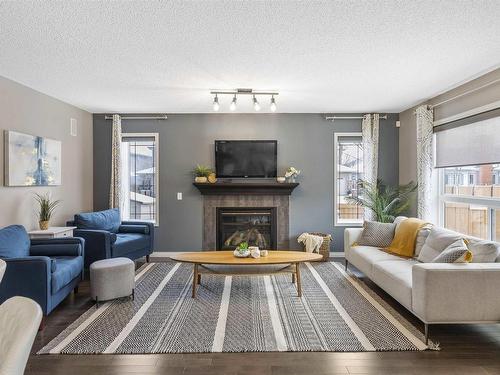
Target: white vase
x: 200, y: 179
x: 254, y: 251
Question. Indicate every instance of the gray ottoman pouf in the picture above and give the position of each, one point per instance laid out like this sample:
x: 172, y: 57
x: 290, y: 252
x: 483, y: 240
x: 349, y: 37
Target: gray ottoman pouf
x: 112, y: 278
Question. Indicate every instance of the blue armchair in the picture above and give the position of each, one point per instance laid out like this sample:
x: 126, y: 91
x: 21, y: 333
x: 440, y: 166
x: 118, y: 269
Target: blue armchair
x: 44, y: 270
x: 106, y: 236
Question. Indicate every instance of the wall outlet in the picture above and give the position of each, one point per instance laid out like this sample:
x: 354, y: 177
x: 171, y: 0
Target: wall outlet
x: 73, y: 124
x: 179, y: 196
x: 398, y: 124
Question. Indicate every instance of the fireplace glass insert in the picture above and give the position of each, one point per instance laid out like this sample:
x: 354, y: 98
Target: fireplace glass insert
x: 256, y: 226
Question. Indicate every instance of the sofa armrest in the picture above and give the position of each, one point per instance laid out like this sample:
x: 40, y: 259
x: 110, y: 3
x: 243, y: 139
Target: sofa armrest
x: 456, y: 293
x: 70, y: 246
x: 97, y: 244
x: 351, y: 235
x: 28, y: 277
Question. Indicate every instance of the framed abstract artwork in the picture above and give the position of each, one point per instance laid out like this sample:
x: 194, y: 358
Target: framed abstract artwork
x: 31, y: 160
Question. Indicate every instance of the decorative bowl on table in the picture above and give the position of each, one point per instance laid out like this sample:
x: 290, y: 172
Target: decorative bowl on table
x: 241, y: 253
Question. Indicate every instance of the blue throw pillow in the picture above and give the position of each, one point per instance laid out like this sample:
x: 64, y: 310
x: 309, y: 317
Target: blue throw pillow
x: 14, y: 242
x: 108, y: 220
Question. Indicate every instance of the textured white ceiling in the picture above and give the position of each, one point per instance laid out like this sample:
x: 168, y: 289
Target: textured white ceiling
x: 322, y: 56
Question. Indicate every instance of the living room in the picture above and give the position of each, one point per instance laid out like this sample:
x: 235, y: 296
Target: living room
x: 250, y: 187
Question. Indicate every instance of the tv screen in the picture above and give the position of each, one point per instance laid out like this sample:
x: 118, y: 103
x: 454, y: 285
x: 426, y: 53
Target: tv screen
x: 246, y: 159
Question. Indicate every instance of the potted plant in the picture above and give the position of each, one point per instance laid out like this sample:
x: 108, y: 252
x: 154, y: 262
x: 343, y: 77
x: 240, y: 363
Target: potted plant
x: 201, y: 173
x: 386, y: 202
x: 47, y: 208
x: 291, y: 174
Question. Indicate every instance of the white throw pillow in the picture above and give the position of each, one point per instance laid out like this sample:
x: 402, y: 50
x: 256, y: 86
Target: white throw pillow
x: 421, y: 237
x: 483, y: 251
x: 438, y: 240
x: 398, y: 220
x: 457, y: 252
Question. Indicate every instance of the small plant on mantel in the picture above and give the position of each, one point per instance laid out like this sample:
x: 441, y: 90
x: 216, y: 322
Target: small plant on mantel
x: 201, y: 173
x: 47, y: 208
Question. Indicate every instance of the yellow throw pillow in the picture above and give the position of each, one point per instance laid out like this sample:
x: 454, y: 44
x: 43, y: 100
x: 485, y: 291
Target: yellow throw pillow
x: 403, y: 243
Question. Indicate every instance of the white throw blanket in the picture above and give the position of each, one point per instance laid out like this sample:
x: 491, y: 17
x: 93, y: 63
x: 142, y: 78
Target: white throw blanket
x: 311, y: 242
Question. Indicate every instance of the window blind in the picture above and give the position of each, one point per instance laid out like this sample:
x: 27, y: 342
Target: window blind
x: 471, y: 141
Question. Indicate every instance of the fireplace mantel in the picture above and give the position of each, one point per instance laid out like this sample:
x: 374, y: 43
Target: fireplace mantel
x: 241, y: 188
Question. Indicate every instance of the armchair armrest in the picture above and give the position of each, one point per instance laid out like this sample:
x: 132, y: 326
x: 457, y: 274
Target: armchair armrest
x: 136, y: 228
x: 351, y: 235
x: 28, y: 277
x: 71, y: 246
x: 456, y: 293
x: 97, y: 244
x: 151, y: 230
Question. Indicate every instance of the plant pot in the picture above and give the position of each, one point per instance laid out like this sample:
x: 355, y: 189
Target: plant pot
x: 43, y: 224
x: 200, y: 179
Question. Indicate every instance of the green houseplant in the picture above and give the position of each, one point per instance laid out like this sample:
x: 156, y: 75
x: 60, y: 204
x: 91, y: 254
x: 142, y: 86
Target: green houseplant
x: 386, y: 202
x: 201, y: 173
x: 46, y: 208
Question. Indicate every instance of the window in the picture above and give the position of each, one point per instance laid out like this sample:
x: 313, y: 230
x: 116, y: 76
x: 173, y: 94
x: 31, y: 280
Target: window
x: 139, y: 154
x: 470, y: 200
x: 348, y: 170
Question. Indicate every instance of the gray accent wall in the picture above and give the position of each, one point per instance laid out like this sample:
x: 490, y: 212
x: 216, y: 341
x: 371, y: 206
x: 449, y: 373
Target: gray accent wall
x: 304, y: 141
x: 28, y: 111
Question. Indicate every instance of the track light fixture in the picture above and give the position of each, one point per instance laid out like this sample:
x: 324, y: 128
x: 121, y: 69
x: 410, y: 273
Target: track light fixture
x: 232, y: 106
x: 273, y: 104
x: 256, y: 104
x: 234, y: 93
x: 216, y: 105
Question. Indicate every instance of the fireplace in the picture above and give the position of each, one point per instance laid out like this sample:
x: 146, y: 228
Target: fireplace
x: 255, y: 225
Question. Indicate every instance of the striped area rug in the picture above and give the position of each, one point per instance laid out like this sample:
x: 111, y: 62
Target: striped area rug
x: 337, y: 312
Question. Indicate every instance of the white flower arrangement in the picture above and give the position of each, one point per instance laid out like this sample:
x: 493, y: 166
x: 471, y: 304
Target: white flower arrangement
x: 292, y: 172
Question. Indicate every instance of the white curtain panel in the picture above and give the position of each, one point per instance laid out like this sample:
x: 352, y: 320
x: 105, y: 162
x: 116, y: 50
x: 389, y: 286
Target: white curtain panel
x: 425, y: 161
x: 370, y: 129
x: 115, y: 195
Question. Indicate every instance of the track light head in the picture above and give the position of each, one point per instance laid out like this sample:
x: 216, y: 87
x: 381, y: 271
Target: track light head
x: 232, y: 106
x: 256, y: 104
x: 273, y: 104
x: 216, y: 105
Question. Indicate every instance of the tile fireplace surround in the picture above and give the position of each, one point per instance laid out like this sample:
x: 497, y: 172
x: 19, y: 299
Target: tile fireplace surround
x: 212, y: 202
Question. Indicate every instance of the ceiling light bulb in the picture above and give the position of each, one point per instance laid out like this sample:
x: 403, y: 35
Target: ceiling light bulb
x: 256, y: 104
x: 273, y: 104
x: 216, y: 103
x: 232, y: 106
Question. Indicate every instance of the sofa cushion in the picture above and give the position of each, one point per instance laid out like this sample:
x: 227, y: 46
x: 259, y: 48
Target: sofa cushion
x: 438, y: 240
x: 395, y: 277
x: 14, y: 242
x: 483, y: 251
x: 457, y: 252
x: 376, y: 234
x: 108, y: 220
x: 363, y: 258
x: 129, y: 242
x: 67, y: 268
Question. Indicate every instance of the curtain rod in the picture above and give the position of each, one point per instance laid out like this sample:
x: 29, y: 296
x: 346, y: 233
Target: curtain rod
x: 333, y: 118
x: 159, y: 117
x: 465, y: 93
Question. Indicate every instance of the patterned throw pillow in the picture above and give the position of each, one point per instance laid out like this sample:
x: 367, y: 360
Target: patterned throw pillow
x: 457, y: 252
x: 376, y: 234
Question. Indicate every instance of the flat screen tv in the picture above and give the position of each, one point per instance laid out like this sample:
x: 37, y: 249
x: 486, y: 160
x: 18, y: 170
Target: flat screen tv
x: 238, y: 159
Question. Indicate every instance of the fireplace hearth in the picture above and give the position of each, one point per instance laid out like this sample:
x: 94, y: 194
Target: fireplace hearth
x: 255, y: 225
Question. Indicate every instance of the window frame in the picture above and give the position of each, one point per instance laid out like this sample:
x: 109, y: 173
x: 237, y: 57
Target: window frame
x: 156, y: 154
x: 336, y: 137
x: 490, y: 203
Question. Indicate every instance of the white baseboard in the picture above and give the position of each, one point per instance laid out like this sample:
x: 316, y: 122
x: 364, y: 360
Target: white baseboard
x: 168, y: 254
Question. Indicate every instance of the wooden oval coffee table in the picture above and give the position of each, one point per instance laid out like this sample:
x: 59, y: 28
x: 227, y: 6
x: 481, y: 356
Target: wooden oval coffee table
x: 203, y: 259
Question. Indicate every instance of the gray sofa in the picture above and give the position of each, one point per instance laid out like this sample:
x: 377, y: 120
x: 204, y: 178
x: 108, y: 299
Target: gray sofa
x: 436, y: 293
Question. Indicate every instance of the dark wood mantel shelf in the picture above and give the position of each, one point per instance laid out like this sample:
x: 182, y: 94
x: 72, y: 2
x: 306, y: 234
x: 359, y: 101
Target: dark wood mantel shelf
x: 249, y: 188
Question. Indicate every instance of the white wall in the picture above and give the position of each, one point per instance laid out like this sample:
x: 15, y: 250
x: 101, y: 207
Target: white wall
x: 28, y: 111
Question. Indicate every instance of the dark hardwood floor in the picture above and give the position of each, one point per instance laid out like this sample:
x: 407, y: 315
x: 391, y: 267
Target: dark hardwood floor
x: 466, y: 349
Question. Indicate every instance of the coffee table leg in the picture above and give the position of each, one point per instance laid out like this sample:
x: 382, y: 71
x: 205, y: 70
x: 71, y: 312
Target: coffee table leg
x: 195, y: 279
x: 299, y: 286
x: 293, y: 277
